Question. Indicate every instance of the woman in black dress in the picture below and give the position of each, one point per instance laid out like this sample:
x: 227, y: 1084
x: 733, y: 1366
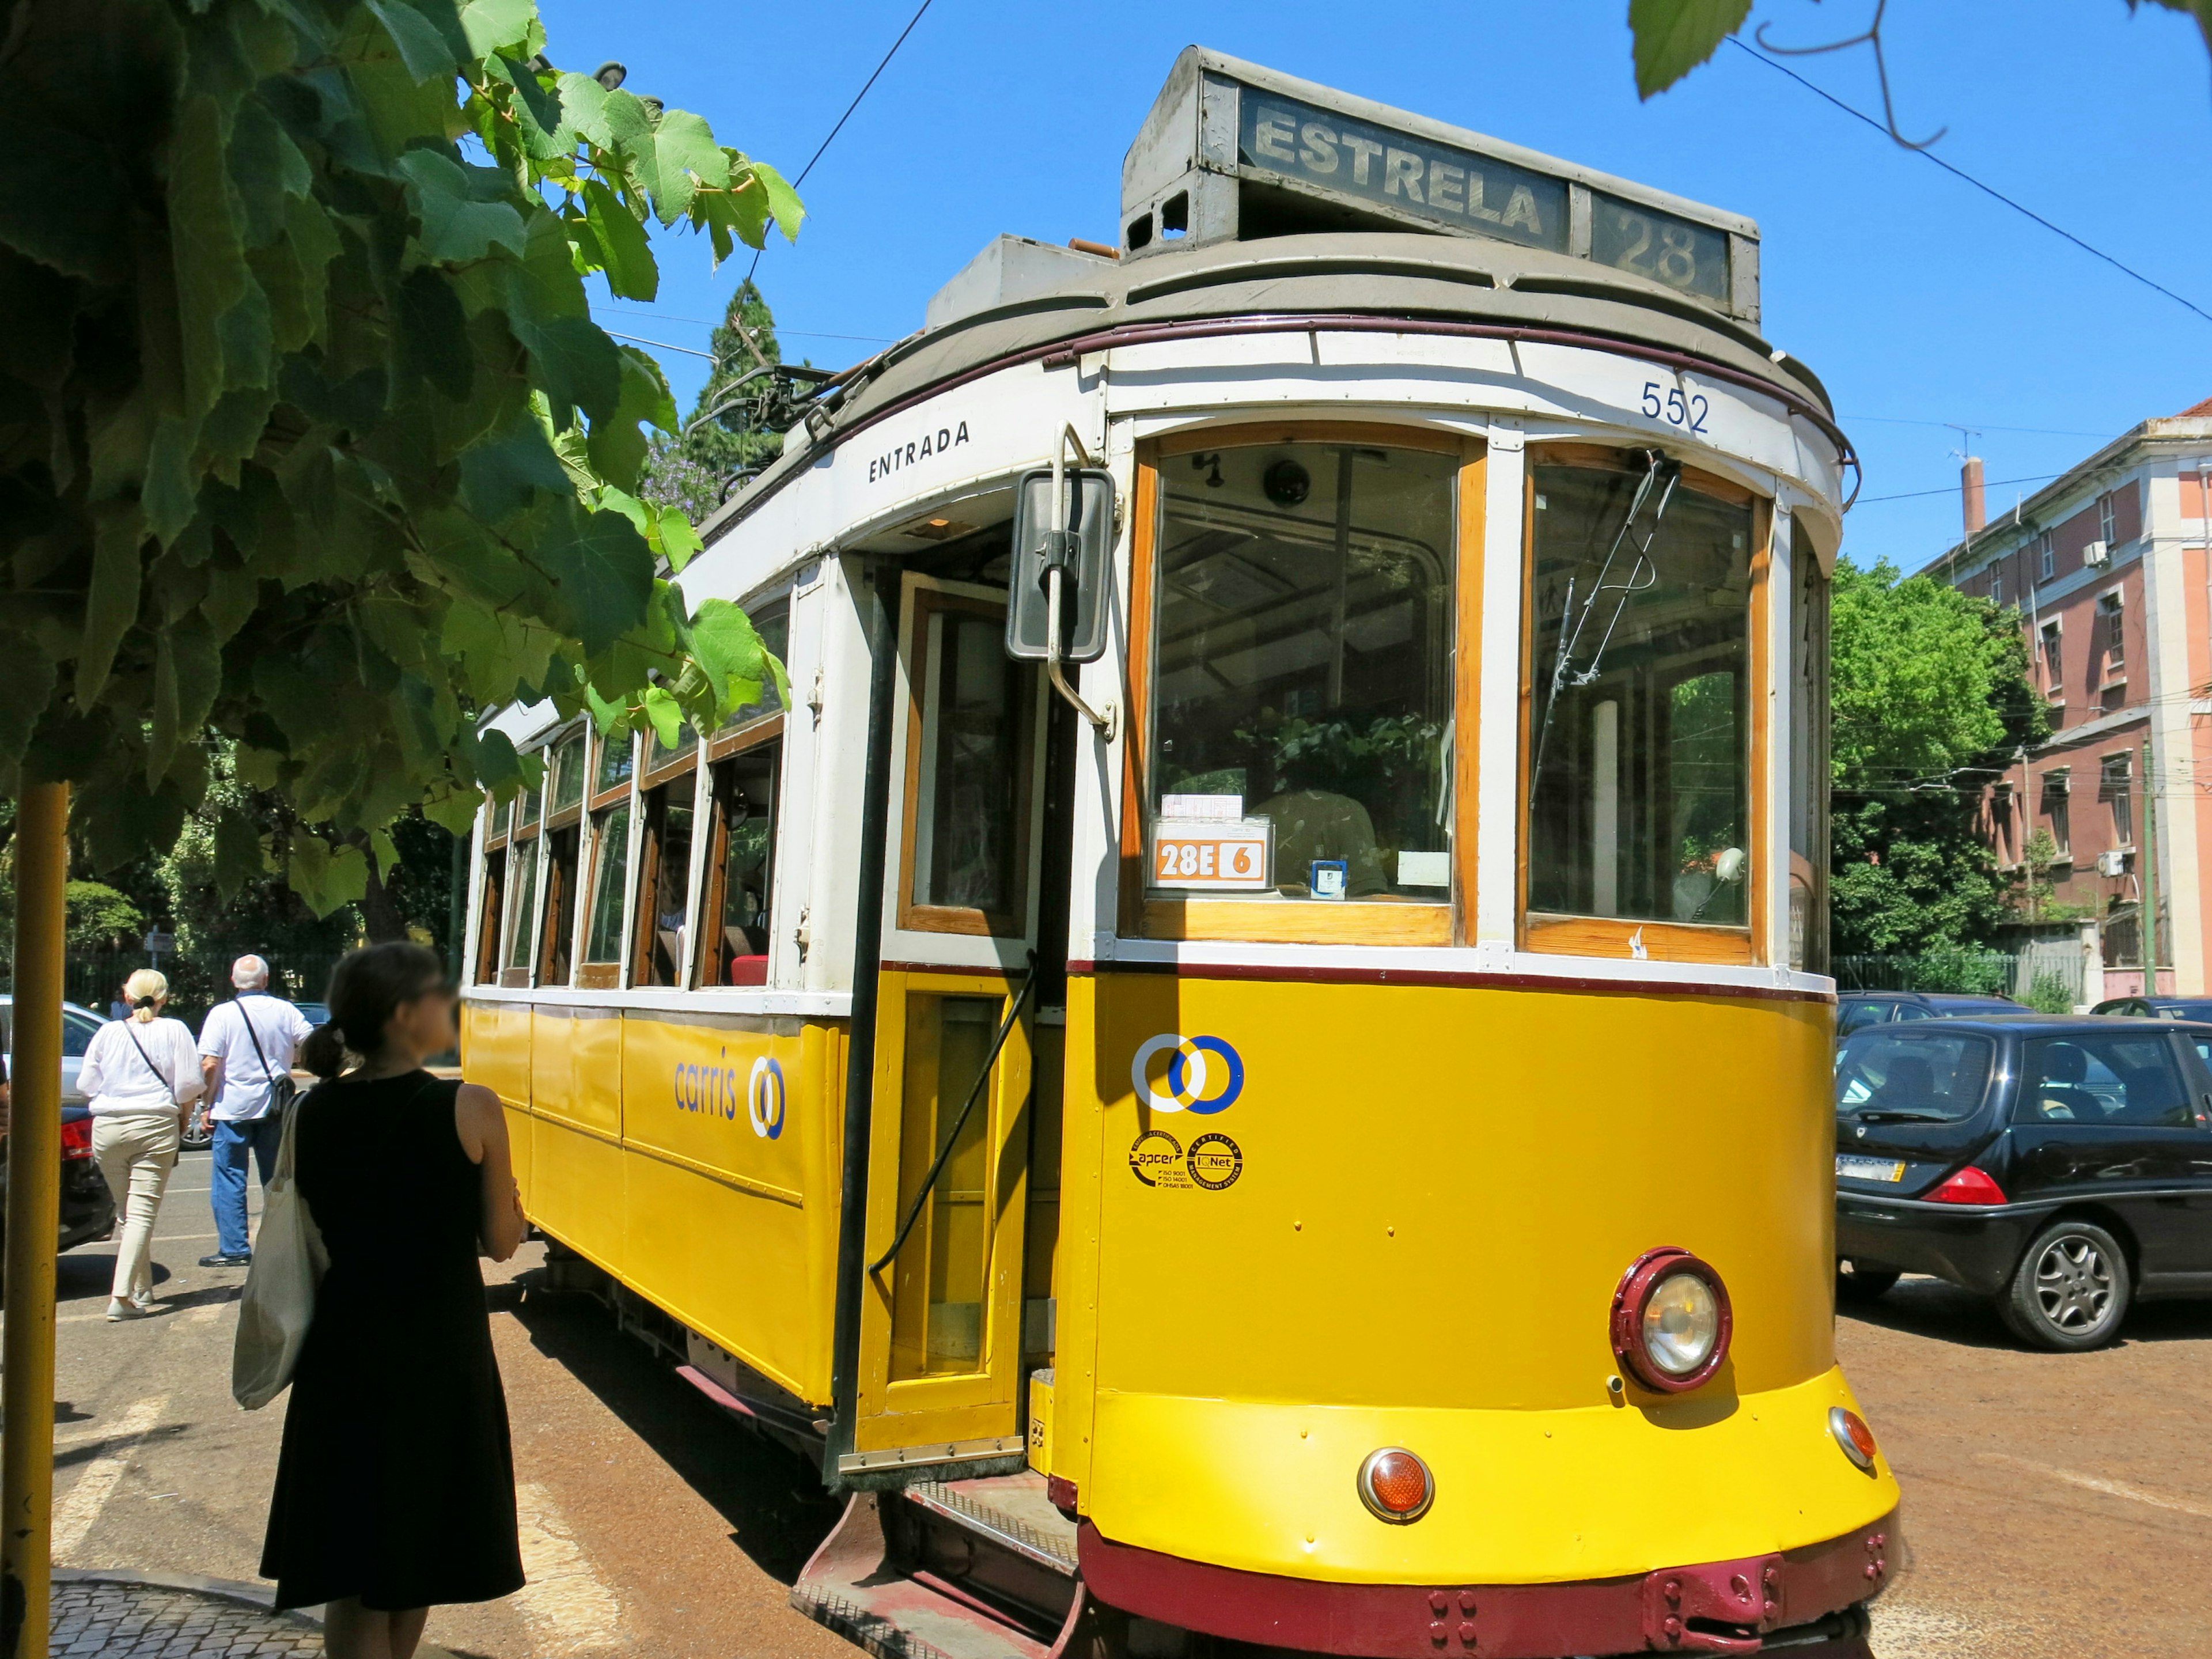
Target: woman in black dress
x: 395, y: 1490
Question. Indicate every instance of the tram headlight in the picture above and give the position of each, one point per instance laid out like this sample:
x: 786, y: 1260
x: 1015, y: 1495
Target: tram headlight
x: 1396, y: 1485
x: 1671, y: 1321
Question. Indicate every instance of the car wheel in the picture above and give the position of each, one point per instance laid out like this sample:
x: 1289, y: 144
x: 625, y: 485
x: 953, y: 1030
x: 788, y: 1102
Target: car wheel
x: 1862, y: 1281
x: 2070, y: 1290
x: 198, y: 1134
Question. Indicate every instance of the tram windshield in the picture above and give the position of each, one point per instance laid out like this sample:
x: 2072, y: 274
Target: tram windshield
x: 1303, y: 672
x: 1640, y: 793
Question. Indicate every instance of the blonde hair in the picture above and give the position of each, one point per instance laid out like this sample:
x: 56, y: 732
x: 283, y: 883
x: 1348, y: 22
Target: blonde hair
x: 145, y: 990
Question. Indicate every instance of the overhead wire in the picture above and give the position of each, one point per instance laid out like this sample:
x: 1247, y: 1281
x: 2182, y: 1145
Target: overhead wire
x: 1991, y: 191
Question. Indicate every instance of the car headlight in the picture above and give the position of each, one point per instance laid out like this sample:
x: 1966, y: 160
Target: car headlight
x: 1671, y: 1321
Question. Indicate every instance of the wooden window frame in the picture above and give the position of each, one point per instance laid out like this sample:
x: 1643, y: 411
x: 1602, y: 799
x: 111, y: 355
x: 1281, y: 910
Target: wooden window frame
x: 714, y: 875
x: 548, y: 940
x: 923, y: 597
x: 1359, y: 921
x: 645, y: 880
x: 1708, y: 944
x: 597, y: 799
x: 524, y: 844
x: 491, y: 912
x: 600, y: 975
x: 562, y: 819
x: 667, y: 770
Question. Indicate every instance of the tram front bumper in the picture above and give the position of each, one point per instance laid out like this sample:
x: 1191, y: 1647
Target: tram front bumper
x: 1807, y: 1603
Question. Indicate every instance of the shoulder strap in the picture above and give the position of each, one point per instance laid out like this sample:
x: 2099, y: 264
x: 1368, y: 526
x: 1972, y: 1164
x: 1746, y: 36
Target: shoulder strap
x: 159, y: 1075
x: 239, y: 1003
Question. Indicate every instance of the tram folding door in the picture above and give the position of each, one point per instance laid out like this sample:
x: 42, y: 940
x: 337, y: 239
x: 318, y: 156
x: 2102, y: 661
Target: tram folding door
x: 941, y: 1329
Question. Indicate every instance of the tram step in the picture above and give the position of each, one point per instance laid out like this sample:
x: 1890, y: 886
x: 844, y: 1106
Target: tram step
x: 887, y: 1589
x: 1009, y: 1509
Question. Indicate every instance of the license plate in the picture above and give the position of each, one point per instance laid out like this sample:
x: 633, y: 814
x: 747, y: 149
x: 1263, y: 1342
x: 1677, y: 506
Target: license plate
x: 1870, y: 1169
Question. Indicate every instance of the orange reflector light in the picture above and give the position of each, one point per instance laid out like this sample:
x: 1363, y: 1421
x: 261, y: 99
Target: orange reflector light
x: 1396, y: 1485
x: 1969, y: 1185
x: 1853, y: 1436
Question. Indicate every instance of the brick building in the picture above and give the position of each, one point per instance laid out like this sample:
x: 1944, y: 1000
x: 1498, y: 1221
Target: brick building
x: 2107, y: 566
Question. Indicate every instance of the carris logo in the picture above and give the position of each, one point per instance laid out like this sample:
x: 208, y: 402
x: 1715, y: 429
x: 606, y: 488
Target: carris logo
x: 1194, y: 1083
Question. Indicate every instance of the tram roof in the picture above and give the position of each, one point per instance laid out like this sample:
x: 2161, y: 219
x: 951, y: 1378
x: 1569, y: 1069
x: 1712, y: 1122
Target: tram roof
x: 1356, y: 280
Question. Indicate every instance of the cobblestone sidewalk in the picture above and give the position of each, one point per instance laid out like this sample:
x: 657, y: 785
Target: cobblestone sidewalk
x: 129, y: 1621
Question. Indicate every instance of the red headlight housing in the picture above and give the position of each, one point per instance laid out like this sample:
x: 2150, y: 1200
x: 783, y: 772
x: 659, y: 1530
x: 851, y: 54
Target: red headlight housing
x: 1396, y: 1485
x: 1671, y: 1321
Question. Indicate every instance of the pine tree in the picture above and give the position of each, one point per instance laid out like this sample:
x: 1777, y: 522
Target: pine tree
x: 727, y: 432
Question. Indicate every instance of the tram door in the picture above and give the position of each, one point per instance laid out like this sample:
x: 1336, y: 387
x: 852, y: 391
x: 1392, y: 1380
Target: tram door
x: 949, y: 1296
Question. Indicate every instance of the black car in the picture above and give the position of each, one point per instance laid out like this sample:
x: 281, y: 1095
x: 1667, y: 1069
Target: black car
x: 88, y: 1209
x: 1856, y: 1008
x: 2060, y: 1166
x: 2158, y: 1007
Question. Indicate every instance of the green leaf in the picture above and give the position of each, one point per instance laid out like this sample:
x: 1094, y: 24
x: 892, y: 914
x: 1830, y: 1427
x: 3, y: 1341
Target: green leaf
x: 618, y: 446
x: 536, y: 110
x: 603, y: 571
x: 326, y: 877
x: 680, y: 542
x: 630, y: 127
x: 463, y: 210
x: 502, y: 474
x: 426, y: 53
x: 576, y: 366
x: 1673, y: 37
x: 725, y: 643
x: 209, y: 258
x: 495, y: 25
x: 110, y: 603
x: 663, y: 715
x: 386, y: 856
x: 584, y: 108
x: 453, y: 807
x: 27, y: 676
x: 187, y: 678
x: 624, y: 249
x: 783, y: 203
x: 686, y: 159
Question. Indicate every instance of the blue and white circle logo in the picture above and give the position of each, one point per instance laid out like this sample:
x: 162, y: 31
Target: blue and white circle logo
x: 1204, y: 1075
x: 764, y: 1099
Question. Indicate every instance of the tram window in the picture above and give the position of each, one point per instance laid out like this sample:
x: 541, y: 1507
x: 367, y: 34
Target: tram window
x: 557, y: 932
x: 740, y: 865
x: 1809, y: 776
x: 614, y: 759
x: 774, y: 627
x: 565, y: 788
x: 521, y: 913
x: 939, y: 1288
x: 969, y: 765
x: 663, y: 886
x: 1638, y: 731
x: 610, y: 879
x: 1302, y: 658
x: 488, y: 922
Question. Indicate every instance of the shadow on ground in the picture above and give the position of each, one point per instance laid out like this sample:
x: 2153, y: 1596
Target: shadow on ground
x: 771, y: 1497
x: 1944, y: 1313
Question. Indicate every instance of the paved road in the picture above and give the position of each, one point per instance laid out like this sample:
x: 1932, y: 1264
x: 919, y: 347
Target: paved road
x: 2057, y: 1507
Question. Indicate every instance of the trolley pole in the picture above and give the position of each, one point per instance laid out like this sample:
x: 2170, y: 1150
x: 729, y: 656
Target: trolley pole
x: 27, y: 1439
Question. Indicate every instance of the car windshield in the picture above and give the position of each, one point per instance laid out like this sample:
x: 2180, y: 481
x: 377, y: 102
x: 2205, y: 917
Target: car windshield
x: 1923, y: 1075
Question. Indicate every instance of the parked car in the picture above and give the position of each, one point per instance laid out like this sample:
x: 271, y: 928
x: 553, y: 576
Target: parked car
x: 2060, y: 1166
x: 87, y: 1209
x: 2157, y: 1008
x: 1855, y: 1009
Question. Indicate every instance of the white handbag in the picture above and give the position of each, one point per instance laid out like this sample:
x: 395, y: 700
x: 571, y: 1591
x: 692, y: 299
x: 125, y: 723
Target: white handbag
x: 279, y: 1302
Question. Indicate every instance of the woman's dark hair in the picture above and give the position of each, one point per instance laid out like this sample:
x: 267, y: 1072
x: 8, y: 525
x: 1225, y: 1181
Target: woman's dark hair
x: 366, y: 987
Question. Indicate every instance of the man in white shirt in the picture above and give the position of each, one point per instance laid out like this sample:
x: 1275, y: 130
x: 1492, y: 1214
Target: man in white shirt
x: 245, y: 1045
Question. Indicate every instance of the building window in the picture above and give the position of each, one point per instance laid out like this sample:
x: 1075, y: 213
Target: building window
x: 2110, y: 616
x: 2108, y: 521
x: 2046, y: 556
x: 2054, y: 679
x: 2116, y: 785
x: 2001, y: 824
x: 1996, y: 585
x: 2055, y: 806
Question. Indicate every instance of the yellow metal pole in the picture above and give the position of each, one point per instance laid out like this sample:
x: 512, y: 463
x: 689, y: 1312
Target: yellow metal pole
x: 27, y: 1439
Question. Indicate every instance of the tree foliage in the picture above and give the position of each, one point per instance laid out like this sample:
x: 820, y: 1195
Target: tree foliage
x: 1931, y: 698
x: 729, y: 429
x: 306, y: 433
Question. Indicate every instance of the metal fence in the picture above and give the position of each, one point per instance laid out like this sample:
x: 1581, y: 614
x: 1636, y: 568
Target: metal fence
x: 2046, y: 979
x: 94, y: 979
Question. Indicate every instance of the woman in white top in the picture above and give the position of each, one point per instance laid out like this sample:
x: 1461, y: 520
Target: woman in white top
x: 142, y: 1075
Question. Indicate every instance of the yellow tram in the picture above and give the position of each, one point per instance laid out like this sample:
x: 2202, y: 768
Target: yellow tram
x: 1276, y: 1096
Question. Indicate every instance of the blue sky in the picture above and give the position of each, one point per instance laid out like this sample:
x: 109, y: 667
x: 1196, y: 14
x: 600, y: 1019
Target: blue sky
x: 1918, y: 300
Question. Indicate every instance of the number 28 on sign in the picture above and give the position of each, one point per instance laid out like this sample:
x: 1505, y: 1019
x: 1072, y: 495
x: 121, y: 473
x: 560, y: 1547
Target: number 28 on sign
x: 1219, y: 857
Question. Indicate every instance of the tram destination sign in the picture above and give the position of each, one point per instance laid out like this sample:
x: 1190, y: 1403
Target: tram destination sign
x: 1409, y: 176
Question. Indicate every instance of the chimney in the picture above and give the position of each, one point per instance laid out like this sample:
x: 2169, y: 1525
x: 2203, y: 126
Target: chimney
x: 1969, y: 494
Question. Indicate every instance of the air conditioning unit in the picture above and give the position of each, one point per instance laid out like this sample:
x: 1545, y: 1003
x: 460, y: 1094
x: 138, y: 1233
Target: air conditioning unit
x: 2112, y: 864
x: 2097, y: 553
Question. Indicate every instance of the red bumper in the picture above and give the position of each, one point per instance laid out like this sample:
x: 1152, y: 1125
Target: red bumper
x: 1717, y: 1607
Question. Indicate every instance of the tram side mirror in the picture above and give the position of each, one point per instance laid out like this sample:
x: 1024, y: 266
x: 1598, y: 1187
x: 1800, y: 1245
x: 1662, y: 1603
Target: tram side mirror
x: 1079, y: 546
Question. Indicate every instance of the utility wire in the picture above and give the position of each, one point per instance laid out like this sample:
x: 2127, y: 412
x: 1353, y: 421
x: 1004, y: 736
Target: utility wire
x: 1952, y: 490
x: 846, y: 116
x: 1902, y: 420
x: 1986, y: 190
